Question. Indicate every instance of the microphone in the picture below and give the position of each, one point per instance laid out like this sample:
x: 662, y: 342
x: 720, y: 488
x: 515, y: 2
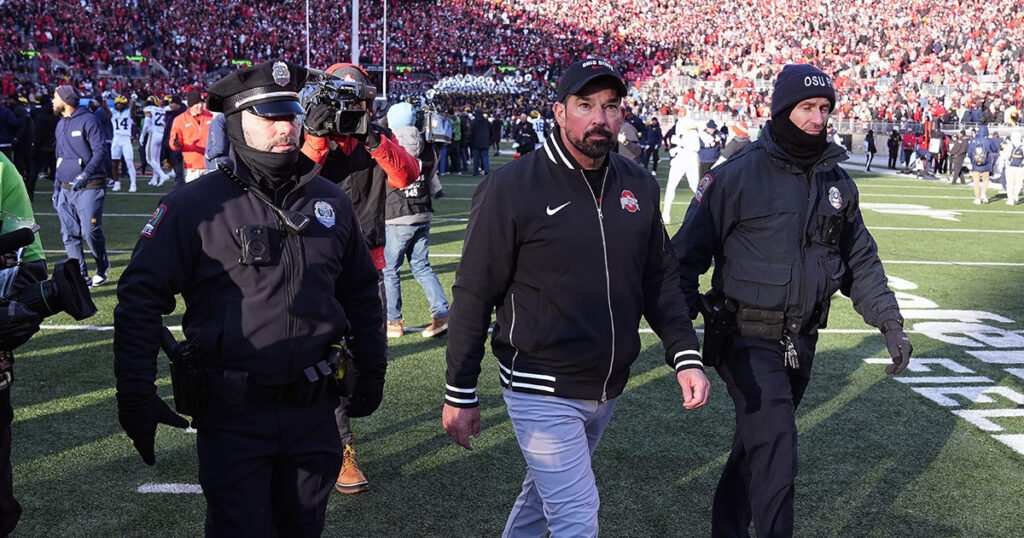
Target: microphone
x: 12, y: 241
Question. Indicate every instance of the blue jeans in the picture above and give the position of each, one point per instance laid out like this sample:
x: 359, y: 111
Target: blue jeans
x: 481, y: 161
x: 81, y: 217
x: 411, y: 242
x: 558, y: 436
x: 443, y: 159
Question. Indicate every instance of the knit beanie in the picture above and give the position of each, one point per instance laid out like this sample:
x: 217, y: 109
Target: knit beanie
x: 68, y: 95
x: 798, y: 82
x: 401, y: 115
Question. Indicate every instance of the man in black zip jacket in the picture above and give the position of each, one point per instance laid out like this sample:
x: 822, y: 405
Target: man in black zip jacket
x: 782, y: 222
x: 264, y: 302
x: 567, y: 242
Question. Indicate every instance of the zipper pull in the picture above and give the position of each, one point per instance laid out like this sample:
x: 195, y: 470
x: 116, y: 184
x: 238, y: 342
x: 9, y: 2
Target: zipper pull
x: 600, y: 214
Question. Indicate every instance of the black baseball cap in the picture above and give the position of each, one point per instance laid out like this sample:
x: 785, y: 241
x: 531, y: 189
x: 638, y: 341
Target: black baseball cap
x: 269, y: 89
x: 582, y: 72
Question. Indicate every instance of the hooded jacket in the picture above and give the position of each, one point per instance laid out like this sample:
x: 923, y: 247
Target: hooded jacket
x: 783, y: 239
x: 570, y: 274
x: 981, y: 148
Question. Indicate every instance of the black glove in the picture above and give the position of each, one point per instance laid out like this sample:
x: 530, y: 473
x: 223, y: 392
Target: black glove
x: 316, y: 118
x: 371, y: 139
x: 17, y: 325
x: 139, y: 421
x: 365, y: 398
x: 898, y: 344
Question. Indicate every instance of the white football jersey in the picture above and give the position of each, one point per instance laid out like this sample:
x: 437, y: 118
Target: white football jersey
x: 156, y: 118
x: 122, y: 122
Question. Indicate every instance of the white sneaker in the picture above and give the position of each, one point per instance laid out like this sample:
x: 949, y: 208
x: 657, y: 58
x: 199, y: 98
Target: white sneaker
x: 132, y: 188
x: 98, y: 280
x: 1010, y: 202
x: 152, y: 182
x: 162, y: 181
x: 117, y: 186
x: 984, y: 199
x: 977, y: 201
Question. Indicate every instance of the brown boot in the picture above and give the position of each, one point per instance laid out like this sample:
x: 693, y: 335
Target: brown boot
x: 350, y: 479
x: 437, y: 327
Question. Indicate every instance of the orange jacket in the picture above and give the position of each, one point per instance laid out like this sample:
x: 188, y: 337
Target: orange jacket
x: 401, y: 168
x: 188, y: 134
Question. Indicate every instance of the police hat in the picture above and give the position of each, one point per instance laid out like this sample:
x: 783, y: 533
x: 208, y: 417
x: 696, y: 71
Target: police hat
x: 269, y: 89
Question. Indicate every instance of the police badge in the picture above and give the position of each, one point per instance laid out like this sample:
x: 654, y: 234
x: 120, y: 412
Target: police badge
x: 324, y: 213
x: 281, y: 74
x: 835, y: 197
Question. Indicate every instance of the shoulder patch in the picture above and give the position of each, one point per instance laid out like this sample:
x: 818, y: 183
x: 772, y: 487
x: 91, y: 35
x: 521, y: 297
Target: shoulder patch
x: 150, y: 228
x: 705, y: 182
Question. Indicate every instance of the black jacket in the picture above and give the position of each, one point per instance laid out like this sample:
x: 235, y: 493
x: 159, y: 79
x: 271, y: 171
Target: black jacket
x: 270, y: 321
x: 415, y: 198
x: 479, y: 135
x: 570, y: 277
x: 783, y: 239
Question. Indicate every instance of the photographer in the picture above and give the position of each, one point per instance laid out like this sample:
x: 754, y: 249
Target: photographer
x: 17, y: 325
x: 268, y: 258
x: 364, y: 159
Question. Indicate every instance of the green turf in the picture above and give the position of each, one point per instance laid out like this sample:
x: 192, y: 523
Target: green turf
x: 877, y: 459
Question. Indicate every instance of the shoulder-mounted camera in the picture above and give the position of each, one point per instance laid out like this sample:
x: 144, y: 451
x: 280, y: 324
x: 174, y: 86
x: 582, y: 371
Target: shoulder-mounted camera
x: 332, y: 105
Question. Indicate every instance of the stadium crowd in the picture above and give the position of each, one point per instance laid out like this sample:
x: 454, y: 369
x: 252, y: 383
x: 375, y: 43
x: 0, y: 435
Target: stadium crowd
x: 895, y: 61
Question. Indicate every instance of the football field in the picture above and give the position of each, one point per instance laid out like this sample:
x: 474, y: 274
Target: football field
x: 937, y: 451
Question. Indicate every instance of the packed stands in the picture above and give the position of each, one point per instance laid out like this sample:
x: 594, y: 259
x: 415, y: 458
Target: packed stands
x: 893, y: 61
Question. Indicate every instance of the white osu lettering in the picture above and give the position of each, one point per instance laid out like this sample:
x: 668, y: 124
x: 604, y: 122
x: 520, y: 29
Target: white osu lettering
x: 817, y: 81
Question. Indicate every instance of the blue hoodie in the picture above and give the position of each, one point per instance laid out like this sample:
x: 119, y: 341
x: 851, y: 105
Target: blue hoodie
x: 982, y: 148
x: 80, y: 149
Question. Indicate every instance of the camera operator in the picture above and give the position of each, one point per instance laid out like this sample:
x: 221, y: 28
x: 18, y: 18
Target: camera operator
x: 275, y: 276
x: 17, y: 325
x: 364, y: 159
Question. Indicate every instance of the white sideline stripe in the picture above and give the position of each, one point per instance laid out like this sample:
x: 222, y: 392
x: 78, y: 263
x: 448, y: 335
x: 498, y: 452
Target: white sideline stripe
x: 907, y: 262
x: 176, y: 328
x: 171, y: 488
x: 961, y: 230
x: 641, y: 331
x: 967, y: 196
x: 146, y: 215
x: 983, y: 264
x: 108, y: 252
x: 940, y: 185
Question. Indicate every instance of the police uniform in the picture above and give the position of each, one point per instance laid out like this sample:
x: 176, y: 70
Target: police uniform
x: 267, y: 455
x: 784, y: 238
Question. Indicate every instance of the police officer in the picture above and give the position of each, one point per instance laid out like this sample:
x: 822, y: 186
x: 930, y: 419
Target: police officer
x: 79, y: 189
x: 782, y: 223
x: 273, y: 269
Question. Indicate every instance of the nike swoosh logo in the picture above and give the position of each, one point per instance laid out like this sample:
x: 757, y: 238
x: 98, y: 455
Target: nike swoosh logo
x: 557, y: 209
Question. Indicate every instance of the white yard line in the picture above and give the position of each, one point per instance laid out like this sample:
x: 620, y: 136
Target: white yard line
x: 959, y: 230
x: 194, y: 489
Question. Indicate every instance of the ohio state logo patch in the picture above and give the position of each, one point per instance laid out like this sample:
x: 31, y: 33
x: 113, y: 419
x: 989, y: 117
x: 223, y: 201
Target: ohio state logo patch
x: 629, y: 202
x: 705, y: 182
x: 150, y: 228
